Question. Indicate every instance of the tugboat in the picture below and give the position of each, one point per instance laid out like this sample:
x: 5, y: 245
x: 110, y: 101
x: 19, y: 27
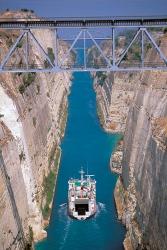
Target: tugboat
x: 82, y: 197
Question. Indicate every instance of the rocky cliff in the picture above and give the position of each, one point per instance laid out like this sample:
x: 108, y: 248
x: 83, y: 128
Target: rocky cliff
x: 114, y: 93
x: 140, y: 192
x: 142, y: 189
x: 33, y: 110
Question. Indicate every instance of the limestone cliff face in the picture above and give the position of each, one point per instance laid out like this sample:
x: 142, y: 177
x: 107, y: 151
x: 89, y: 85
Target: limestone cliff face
x: 142, y: 191
x: 8, y: 224
x: 32, y: 119
x: 115, y: 93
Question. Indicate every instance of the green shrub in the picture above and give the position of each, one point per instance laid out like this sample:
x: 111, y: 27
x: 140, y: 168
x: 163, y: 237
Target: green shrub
x: 20, y: 44
x: 34, y: 121
x: 31, y: 234
x: 165, y: 30
x: 148, y: 46
x: 57, y: 158
x: 24, y: 10
x: 125, y: 57
x: 101, y: 77
x: 21, y: 89
x: 48, y: 185
x: 28, y: 246
x: 51, y: 57
x: 22, y: 156
x: 29, y: 78
x: 46, y: 211
x: 51, y: 54
x: 137, y: 56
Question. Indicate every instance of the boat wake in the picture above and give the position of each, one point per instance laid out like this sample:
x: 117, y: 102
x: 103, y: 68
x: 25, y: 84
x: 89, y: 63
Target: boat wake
x: 63, y: 205
x: 66, y: 222
x: 62, y: 211
x: 66, y: 232
x: 101, y: 206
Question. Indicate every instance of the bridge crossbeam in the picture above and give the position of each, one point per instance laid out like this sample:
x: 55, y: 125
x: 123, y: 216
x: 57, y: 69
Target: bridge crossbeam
x: 111, y: 58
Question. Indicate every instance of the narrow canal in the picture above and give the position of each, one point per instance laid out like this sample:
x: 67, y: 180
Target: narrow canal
x: 85, y: 144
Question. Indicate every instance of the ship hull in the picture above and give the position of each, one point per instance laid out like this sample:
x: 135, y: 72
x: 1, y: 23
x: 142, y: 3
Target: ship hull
x: 80, y: 218
x: 85, y: 216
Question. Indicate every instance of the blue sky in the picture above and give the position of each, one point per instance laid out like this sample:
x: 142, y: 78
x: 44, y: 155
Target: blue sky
x: 57, y: 8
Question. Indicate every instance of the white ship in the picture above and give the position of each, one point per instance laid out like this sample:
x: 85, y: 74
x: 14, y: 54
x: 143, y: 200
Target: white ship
x: 82, y: 197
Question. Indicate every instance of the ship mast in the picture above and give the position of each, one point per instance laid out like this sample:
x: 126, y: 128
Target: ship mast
x: 82, y: 174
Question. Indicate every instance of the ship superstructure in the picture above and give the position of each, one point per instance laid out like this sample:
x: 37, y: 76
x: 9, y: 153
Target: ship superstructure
x: 82, y: 197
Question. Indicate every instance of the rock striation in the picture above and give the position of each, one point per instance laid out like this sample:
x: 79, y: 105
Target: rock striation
x: 140, y: 192
x: 33, y: 109
x: 116, y: 158
x: 114, y: 94
x: 144, y: 170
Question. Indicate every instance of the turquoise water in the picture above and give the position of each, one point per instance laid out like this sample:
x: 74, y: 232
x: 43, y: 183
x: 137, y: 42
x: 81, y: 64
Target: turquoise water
x: 85, y: 144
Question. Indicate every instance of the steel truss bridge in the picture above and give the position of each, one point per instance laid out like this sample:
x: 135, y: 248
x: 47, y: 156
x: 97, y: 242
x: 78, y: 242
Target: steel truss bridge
x: 102, y: 43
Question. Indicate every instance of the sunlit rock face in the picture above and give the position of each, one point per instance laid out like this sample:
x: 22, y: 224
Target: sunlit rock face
x: 33, y: 111
x: 144, y: 169
x: 140, y: 192
x: 114, y: 92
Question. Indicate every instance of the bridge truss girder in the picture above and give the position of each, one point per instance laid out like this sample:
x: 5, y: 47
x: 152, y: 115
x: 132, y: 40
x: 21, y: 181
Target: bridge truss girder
x: 113, y: 62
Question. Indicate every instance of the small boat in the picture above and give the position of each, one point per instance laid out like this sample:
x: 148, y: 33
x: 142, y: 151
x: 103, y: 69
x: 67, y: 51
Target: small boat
x: 82, y: 197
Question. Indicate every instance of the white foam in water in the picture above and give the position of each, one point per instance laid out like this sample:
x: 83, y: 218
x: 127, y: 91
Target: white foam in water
x: 62, y: 211
x: 63, y: 205
x: 66, y: 231
x: 101, y: 207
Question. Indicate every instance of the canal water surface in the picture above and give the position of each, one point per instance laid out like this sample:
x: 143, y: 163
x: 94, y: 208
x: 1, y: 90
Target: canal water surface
x: 85, y: 144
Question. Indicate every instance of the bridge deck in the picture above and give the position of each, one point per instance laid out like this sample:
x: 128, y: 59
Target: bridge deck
x: 115, y: 60
x: 82, y: 22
